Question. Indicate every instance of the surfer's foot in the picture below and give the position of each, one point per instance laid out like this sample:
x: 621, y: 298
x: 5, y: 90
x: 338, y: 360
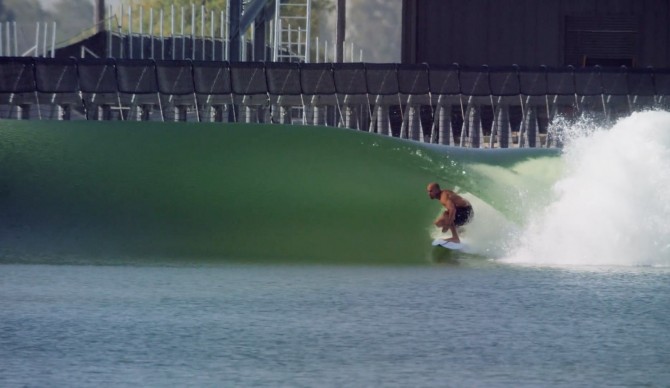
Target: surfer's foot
x: 453, y: 240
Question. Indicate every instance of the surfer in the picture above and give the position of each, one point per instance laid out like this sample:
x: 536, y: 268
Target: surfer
x: 459, y: 211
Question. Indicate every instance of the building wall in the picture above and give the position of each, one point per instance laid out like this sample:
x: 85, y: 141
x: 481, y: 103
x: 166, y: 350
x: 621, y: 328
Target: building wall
x: 536, y: 32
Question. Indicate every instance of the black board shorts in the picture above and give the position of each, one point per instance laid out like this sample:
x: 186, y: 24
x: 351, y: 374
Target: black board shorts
x: 463, y: 215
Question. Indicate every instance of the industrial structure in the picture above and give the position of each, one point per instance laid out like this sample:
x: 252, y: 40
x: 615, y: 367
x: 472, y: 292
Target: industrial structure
x: 480, y: 73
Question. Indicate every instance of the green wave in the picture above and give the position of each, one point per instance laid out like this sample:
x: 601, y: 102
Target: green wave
x: 105, y: 192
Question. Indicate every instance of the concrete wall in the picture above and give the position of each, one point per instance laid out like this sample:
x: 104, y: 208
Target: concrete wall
x: 535, y: 32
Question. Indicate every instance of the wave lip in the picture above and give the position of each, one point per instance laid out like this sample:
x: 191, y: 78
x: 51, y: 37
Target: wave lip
x: 611, y: 206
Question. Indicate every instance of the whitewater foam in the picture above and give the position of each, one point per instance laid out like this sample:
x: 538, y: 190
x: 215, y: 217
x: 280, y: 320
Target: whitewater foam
x: 612, y: 204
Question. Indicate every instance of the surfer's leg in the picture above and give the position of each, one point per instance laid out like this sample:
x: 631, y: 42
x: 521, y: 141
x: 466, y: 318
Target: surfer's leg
x: 454, y: 234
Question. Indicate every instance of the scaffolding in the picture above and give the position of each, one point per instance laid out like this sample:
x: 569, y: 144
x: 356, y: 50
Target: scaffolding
x: 292, y: 30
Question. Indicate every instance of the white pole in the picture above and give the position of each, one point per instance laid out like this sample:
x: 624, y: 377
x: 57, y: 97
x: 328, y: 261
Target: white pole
x: 212, y: 25
x: 53, y: 40
x: 298, y: 45
x: 253, y: 41
x: 9, y: 42
x: 325, y: 51
x: 271, y: 35
x: 44, y: 40
x: 317, y: 49
x: 223, y: 40
x: 243, y: 45
x: 352, y: 52
x: 277, y: 32
x: 2, y: 53
x: 16, y: 42
x: 360, y: 56
x: 290, y: 41
x: 37, y: 39
x: 192, y: 31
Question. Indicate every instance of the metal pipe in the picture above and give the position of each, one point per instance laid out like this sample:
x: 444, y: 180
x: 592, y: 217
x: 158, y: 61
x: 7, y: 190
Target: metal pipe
x: 340, y: 30
x: 99, y: 15
x: 37, y: 39
x: 223, y: 37
x: 277, y: 36
x: 226, y: 48
x: 212, y: 25
x: 16, y: 41
x: 44, y: 40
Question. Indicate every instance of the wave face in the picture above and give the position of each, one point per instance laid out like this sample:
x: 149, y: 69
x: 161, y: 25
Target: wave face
x: 106, y: 192
x: 110, y: 191
x: 611, y: 204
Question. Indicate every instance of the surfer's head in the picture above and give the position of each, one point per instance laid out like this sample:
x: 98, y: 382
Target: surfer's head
x: 434, y: 190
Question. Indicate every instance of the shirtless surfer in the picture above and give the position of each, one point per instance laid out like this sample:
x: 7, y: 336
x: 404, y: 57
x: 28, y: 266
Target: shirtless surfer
x: 458, y: 210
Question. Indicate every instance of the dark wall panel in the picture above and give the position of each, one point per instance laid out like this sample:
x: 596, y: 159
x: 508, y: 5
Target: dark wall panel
x: 526, y: 32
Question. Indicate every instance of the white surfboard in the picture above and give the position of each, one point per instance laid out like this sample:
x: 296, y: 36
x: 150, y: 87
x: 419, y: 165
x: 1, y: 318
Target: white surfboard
x: 448, y: 244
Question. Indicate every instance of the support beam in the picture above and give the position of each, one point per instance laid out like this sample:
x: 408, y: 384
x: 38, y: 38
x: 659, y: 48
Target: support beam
x: 341, y: 25
x: 235, y: 12
x: 99, y: 15
x: 260, y: 31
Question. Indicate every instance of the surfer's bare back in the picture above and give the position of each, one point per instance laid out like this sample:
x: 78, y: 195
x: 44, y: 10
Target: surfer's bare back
x: 458, y: 210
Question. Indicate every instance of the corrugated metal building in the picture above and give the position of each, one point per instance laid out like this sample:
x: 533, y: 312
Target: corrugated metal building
x: 635, y: 33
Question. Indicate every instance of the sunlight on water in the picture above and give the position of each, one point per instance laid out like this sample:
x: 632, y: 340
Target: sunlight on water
x: 612, y: 204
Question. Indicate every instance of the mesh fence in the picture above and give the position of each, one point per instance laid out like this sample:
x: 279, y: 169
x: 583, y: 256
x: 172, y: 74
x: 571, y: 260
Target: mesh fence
x: 56, y: 75
x: 317, y: 79
x: 16, y: 75
x: 136, y: 76
x: 350, y: 78
x: 174, y: 77
x: 248, y: 78
x: 413, y: 79
x: 381, y: 78
x: 283, y: 78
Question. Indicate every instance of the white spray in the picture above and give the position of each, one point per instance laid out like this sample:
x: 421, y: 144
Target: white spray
x: 612, y: 204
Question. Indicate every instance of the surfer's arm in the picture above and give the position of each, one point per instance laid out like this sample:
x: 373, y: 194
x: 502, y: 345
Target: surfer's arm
x: 451, y: 210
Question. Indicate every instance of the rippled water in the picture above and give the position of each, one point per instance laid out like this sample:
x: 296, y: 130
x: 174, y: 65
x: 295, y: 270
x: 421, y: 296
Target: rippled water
x: 471, y: 323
